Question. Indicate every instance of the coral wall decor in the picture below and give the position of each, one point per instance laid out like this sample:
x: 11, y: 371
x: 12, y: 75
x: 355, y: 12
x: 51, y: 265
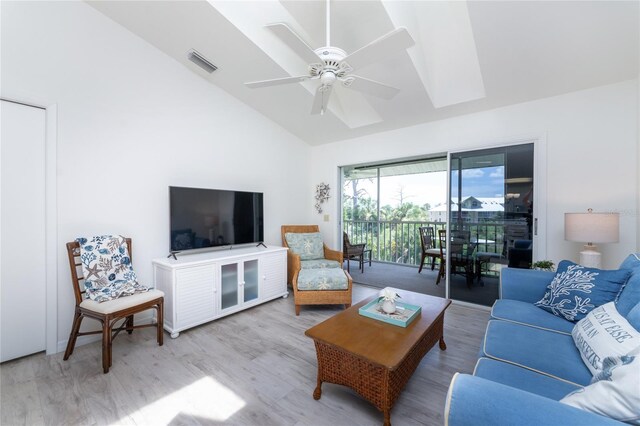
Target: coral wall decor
x: 322, y: 195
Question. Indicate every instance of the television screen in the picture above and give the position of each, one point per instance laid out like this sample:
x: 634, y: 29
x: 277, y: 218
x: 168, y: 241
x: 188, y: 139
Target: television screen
x: 201, y: 218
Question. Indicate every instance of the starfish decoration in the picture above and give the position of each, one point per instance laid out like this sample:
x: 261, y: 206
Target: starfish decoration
x: 92, y: 270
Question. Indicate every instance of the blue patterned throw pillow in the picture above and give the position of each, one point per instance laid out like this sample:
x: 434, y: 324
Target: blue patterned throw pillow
x: 107, y: 269
x: 576, y: 290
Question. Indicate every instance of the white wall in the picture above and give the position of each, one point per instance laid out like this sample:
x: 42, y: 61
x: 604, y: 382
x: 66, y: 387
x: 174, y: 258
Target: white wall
x: 131, y: 122
x: 592, y: 157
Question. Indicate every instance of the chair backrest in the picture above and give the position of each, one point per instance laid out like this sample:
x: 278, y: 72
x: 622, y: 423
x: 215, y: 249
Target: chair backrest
x: 460, y: 240
x: 427, y: 238
x: 513, y: 232
x: 298, y: 229
x: 77, y: 276
x: 345, y: 242
x: 442, y: 237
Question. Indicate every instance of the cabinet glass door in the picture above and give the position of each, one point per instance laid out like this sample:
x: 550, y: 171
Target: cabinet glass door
x: 229, y: 285
x: 250, y: 280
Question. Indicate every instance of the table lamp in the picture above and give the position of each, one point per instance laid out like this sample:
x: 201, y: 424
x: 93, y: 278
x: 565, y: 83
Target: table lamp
x: 591, y: 228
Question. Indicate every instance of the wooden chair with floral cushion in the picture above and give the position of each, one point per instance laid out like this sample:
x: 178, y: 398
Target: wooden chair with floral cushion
x: 314, y: 271
x: 108, y: 261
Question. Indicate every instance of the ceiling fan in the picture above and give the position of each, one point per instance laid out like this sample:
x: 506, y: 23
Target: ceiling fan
x: 330, y: 64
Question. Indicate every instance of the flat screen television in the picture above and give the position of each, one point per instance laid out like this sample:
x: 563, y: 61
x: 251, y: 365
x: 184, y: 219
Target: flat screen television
x: 201, y: 218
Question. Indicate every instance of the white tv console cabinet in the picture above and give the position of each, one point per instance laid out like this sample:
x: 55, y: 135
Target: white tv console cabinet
x: 201, y: 287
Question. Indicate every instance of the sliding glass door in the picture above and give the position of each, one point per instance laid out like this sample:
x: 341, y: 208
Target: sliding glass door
x: 385, y: 205
x: 490, y: 219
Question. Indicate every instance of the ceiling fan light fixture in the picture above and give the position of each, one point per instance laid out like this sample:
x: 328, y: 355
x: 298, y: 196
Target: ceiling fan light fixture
x: 327, y: 78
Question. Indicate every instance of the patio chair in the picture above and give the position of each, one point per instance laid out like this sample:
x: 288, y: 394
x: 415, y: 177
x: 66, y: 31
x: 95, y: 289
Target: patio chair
x: 353, y: 251
x: 485, y: 258
x: 460, y: 250
x: 428, y: 246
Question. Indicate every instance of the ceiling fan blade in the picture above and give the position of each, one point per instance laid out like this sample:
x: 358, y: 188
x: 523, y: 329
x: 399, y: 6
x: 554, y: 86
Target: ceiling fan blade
x: 386, y: 45
x: 321, y: 99
x: 293, y: 40
x: 370, y: 87
x: 276, y: 81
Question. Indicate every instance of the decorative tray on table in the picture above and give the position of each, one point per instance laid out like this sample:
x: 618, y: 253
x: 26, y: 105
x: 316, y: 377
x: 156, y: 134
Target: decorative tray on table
x: 403, y: 316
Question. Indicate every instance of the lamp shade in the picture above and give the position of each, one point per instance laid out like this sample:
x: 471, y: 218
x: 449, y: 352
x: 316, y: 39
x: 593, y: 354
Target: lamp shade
x: 592, y: 227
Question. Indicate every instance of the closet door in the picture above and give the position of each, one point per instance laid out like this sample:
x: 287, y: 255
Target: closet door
x: 22, y: 231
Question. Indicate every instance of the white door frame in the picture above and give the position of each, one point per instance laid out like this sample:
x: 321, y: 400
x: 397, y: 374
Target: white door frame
x: 51, y: 216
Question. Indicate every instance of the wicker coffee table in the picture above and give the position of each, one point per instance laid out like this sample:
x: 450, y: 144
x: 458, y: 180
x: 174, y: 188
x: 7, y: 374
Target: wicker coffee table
x: 373, y: 358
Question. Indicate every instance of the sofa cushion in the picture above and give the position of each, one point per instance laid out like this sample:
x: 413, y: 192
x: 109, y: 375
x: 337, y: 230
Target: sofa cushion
x: 630, y: 294
x: 322, y: 279
x: 319, y: 263
x: 522, y: 378
x: 475, y: 401
x: 527, y: 314
x: 634, y: 317
x: 545, y: 352
x: 575, y: 290
x: 604, y: 333
x: 616, y: 394
x: 307, y: 245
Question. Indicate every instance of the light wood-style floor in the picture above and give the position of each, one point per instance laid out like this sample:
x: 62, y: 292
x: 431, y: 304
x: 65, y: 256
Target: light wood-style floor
x: 252, y: 368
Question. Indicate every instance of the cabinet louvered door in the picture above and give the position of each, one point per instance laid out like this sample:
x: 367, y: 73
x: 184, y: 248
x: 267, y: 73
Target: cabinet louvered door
x: 273, y: 272
x: 195, y: 295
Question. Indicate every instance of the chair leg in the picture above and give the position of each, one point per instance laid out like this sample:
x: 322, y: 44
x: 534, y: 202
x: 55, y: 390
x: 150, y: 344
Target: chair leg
x: 440, y: 272
x: 160, y: 319
x: 75, y: 327
x: 421, y: 263
x: 433, y: 263
x: 348, y: 265
x: 297, y: 310
x: 347, y: 305
x: 130, y: 324
x: 468, y: 272
x: 106, y: 345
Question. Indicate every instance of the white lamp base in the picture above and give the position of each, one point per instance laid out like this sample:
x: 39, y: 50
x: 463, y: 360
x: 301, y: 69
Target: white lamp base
x: 590, y: 258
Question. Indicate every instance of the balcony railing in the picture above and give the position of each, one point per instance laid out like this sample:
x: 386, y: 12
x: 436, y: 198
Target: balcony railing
x: 399, y: 242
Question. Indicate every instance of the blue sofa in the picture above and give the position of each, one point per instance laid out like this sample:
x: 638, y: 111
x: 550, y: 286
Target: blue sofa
x: 528, y: 360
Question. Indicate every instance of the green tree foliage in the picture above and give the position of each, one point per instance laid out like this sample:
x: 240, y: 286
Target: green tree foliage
x: 359, y: 205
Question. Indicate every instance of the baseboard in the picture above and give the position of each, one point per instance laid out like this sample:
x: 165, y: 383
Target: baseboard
x: 143, y: 318
x: 471, y: 305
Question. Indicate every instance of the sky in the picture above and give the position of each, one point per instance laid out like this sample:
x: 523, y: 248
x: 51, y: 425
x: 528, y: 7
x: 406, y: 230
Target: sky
x: 432, y: 187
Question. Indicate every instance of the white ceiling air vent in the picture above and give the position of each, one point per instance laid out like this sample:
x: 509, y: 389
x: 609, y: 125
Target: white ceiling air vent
x: 197, y: 58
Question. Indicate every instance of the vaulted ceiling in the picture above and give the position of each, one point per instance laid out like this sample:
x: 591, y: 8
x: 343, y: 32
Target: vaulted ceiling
x: 467, y: 57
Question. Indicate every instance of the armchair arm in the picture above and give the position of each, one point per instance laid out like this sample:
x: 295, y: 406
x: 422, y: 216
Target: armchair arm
x: 476, y: 401
x: 332, y: 254
x: 293, y: 265
x: 526, y: 285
